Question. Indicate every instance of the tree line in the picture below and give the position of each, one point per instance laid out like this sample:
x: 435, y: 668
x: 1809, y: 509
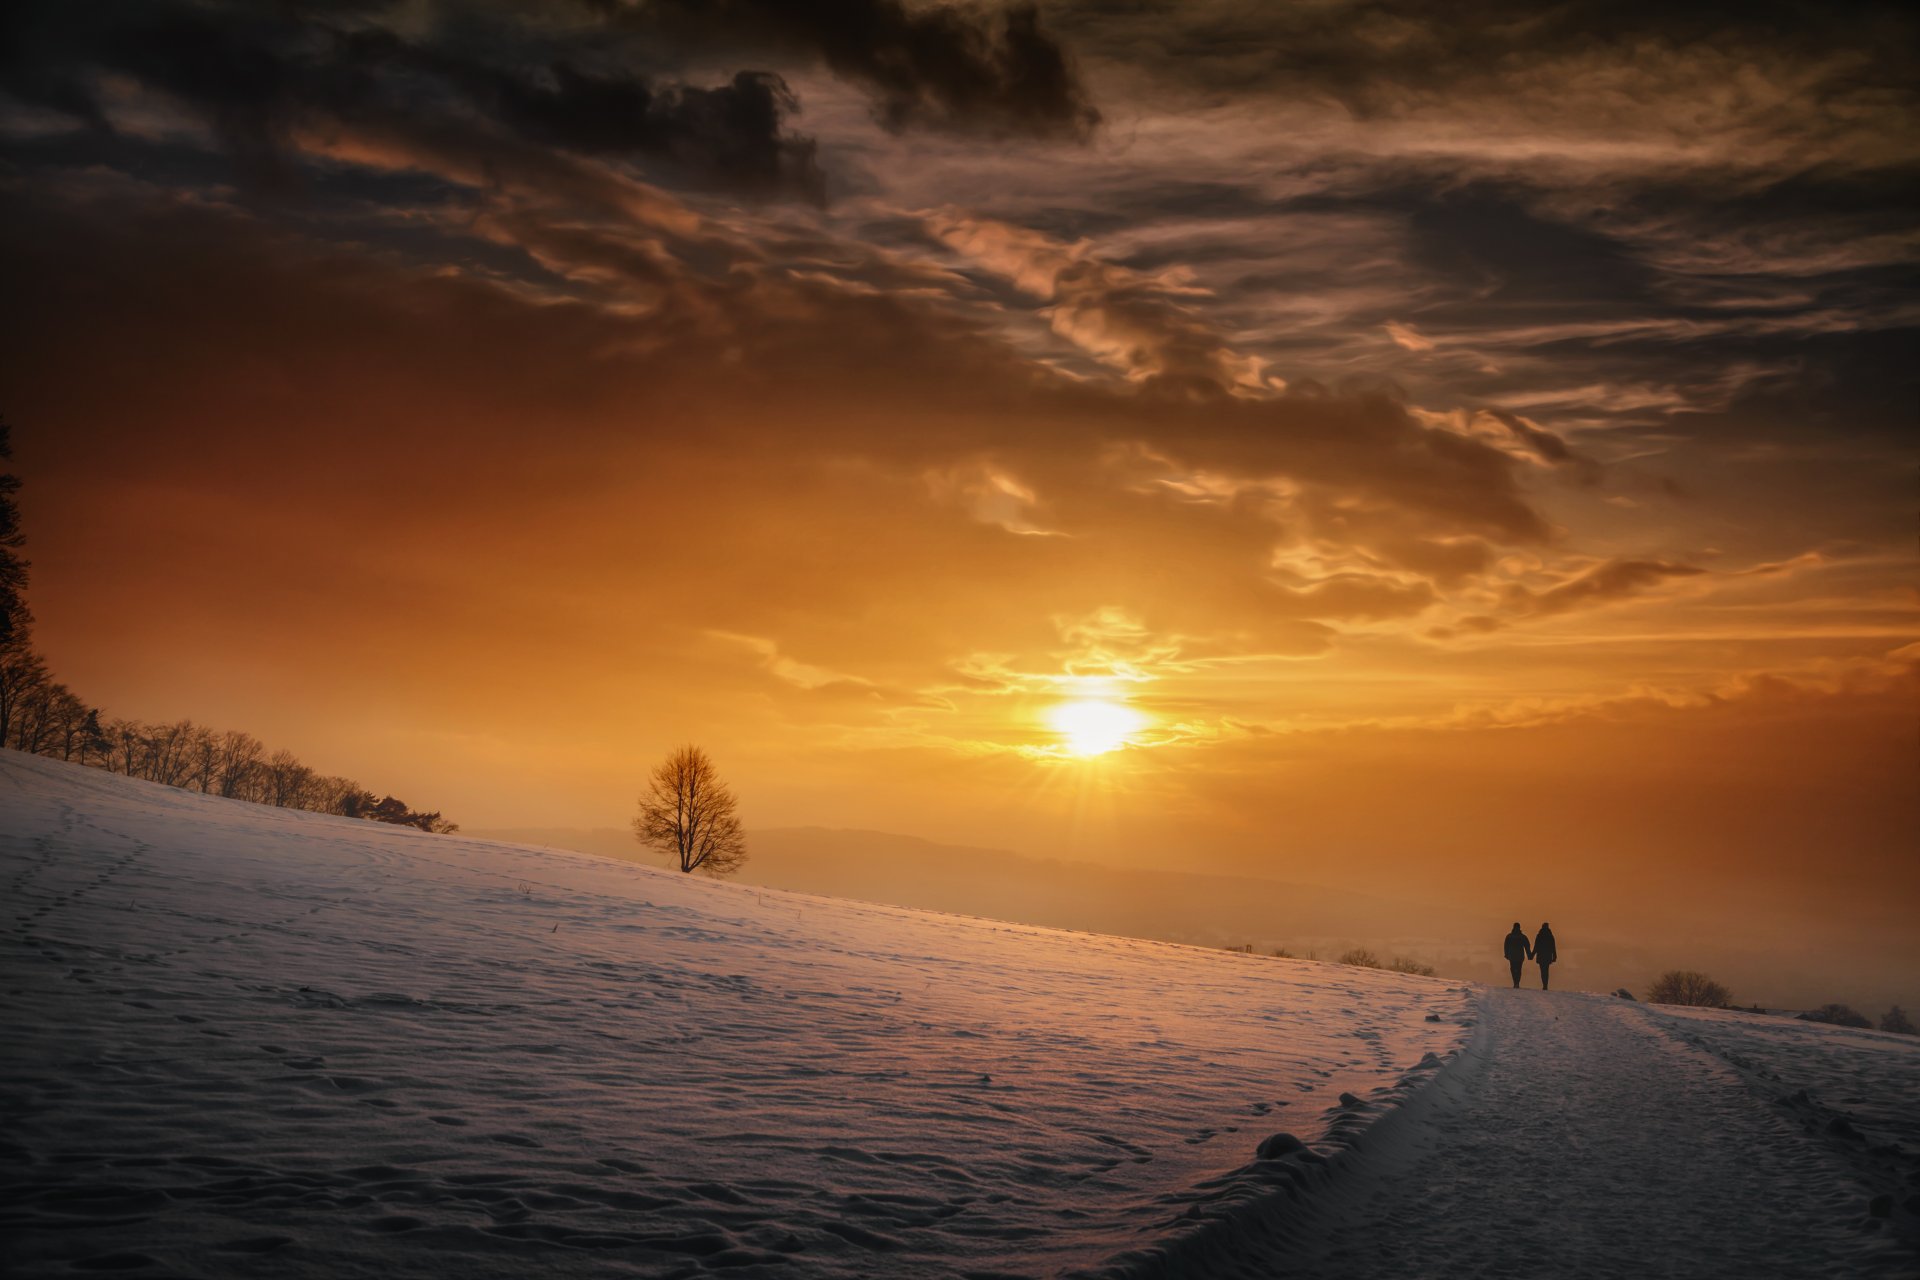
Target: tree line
x: 42, y: 716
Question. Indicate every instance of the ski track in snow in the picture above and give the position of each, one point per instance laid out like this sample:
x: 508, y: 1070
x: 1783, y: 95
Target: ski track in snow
x: 235, y: 1039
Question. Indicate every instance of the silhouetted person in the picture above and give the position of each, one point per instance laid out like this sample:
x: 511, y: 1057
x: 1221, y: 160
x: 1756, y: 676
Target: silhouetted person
x: 1544, y: 951
x: 1518, y: 950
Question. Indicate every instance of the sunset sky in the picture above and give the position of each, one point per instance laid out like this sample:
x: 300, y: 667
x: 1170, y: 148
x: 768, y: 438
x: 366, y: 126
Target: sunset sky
x: 1462, y: 450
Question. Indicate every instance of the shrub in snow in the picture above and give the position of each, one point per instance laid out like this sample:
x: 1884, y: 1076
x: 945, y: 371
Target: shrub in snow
x: 1837, y: 1014
x: 1361, y: 957
x: 1279, y: 1146
x: 1403, y: 965
x: 1897, y: 1021
x: 1624, y: 994
x: 1684, y: 986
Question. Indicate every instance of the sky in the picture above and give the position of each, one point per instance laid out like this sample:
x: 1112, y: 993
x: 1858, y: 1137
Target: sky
x: 1463, y: 450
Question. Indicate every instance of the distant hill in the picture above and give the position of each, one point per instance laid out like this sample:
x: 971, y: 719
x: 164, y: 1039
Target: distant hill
x: 1180, y: 906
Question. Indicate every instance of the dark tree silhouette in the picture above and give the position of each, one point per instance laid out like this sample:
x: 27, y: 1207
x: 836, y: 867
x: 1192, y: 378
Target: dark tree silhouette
x: 42, y: 716
x: 688, y: 814
x: 1897, y: 1021
x: 1684, y: 986
x: 14, y: 618
x: 22, y: 675
x: 1839, y: 1015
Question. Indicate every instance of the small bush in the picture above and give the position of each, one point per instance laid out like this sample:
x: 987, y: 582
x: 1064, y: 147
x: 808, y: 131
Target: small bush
x: 1838, y: 1015
x: 1281, y: 953
x: 1401, y: 964
x: 1361, y: 958
x: 1685, y: 987
x: 1897, y: 1021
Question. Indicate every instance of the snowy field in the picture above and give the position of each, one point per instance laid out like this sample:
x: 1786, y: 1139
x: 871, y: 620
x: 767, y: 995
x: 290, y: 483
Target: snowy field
x: 232, y: 1031
x: 242, y: 1041
x: 1866, y: 1078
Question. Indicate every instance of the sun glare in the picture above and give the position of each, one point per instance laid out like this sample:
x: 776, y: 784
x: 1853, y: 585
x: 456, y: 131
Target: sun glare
x: 1092, y: 727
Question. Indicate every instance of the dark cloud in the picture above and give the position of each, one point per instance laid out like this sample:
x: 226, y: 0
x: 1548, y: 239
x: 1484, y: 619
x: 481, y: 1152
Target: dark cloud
x: 1486, y: 241
x: 1369, y: 54
x: 943, y: 66
x: 1613, y: 580
x: 255, y: 76
x: 733, y: 131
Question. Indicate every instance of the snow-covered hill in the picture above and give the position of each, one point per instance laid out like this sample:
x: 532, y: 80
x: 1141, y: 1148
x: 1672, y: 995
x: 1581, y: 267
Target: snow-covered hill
x: 232, y: 1030
x: 241, y: 1041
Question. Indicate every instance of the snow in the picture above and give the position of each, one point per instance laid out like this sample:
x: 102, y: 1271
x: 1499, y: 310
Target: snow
x: 1579, y: 1136
x: 230, y: 1031
x: 1868, y: 1078
x: 235, y: 1038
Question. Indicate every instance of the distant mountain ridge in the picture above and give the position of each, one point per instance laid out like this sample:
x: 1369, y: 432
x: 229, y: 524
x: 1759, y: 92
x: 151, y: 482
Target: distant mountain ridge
x: 1175, y: 905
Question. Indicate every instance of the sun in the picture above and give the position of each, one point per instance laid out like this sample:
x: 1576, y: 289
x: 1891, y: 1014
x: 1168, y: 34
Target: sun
x: 1093, y: 727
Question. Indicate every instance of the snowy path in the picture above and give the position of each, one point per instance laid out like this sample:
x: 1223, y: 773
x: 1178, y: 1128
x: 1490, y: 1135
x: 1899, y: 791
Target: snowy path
x: 1580, y: 1136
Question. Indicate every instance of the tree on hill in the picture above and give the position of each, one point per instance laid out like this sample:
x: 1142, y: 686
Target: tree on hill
x: 1897, y: 1021
x: 14, y: 618
x: 23, y: 673
x: 1685, y: 987
x: 390, y: 810
x: 42, y: 716
x: 1839, y: 1015
x: 687, y: 813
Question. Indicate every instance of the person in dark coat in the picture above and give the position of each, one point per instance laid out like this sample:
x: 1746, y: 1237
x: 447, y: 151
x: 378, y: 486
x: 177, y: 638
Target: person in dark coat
x: 1544, y: 951
x: 1518, y: 950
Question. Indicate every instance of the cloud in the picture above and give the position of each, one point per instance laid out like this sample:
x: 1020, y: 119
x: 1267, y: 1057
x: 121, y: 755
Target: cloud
x: 257, y: 78
x: 1798, y: 83
x: 992, y: 495
x: 818, y: 684
x: 1355, y: 596
x: 1139, y: 324
x: 732, y: 133
x: 990, y: 70
x: 1405, y: 336
x: 1613, y: 580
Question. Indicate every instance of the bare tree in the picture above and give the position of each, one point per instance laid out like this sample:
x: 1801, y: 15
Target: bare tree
x: 23, y: 674
x: 169, y: 757
x: 336, y: 795
x: 287, y: 780
x: 688, y: 814
x: 201, y: 748
x: 74, y: 723
x: 15, y: 617
x: 32, y: 723
x: 122, y: 754
x: 238, y: 772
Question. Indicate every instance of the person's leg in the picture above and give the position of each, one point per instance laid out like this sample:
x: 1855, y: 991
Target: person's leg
x: 1515, y: 966
x: 1544, y: 966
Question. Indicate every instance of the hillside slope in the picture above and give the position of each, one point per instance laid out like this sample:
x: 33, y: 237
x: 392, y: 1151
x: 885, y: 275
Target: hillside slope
x: 1179, y: 904
x: 230, y: 1030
